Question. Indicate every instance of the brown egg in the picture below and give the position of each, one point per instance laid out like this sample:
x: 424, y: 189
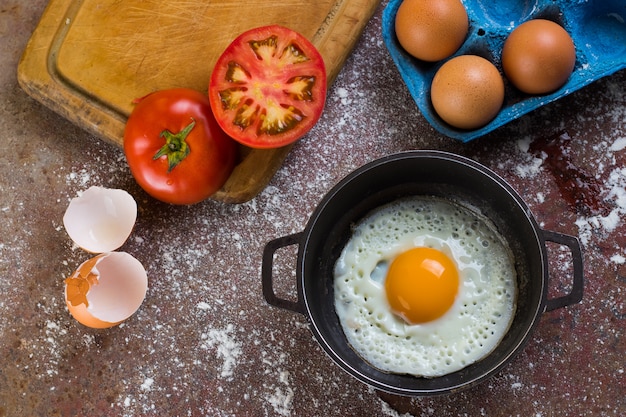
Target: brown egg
x: 538, y: 56
x: 431, y: 30
x: 467, y: 91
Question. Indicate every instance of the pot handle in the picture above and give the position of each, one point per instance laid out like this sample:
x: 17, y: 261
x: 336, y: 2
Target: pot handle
x: 267, y: 273
x: 576, y: 294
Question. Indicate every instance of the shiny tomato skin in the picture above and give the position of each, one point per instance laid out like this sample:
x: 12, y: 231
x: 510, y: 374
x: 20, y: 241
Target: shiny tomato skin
x: 211, y: 156
x: 268, y: 87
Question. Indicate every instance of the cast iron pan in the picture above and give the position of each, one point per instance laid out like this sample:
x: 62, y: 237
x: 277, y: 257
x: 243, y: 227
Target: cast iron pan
x: 431, y: 173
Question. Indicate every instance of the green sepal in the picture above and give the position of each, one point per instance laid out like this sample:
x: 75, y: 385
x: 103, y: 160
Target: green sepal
x: 176, y: 147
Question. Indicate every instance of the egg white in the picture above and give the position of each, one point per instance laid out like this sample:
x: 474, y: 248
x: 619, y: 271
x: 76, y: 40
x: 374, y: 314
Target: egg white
x: 468, y: 331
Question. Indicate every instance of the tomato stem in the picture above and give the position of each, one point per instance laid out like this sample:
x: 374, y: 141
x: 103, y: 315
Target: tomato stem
x: 175, y: 148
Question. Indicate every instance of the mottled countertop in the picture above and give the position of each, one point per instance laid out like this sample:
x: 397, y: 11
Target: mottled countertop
x: 205, y: 342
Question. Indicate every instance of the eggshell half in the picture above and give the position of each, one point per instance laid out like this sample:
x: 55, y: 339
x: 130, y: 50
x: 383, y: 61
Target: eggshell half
x: 106, y: 290
x: 100, y: 219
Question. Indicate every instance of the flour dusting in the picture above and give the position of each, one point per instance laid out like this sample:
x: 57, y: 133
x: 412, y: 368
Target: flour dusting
x: 282, y: 397
x: 225, y: 347
x: 205, y: 342
x: 614, y: 191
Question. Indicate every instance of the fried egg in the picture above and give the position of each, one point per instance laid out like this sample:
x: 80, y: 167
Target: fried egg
x: 425, y: 287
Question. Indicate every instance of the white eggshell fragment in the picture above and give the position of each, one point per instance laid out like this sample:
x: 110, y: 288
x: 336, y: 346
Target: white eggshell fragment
x: 100, y: 219
x: 106, y: 290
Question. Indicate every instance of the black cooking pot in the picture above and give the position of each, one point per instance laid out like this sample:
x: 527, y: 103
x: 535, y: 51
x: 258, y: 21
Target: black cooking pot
x: 430, y: 173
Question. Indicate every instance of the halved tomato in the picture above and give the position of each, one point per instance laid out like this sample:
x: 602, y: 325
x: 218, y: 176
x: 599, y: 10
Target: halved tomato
x: 268, y: 88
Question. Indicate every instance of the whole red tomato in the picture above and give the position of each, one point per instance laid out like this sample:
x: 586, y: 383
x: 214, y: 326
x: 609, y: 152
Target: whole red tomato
x: 268, y: 88
x: 175, y: 149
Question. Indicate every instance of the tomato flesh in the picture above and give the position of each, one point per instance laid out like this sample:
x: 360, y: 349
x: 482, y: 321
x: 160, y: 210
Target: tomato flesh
x: 175, y: 149
x: 268, y: 88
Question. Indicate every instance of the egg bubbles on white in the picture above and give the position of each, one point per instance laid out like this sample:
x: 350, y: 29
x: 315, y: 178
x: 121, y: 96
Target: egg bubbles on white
x: 482, y: 310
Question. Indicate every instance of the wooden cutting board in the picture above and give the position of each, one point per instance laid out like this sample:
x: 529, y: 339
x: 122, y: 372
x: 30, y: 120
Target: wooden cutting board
x: 88, y: 59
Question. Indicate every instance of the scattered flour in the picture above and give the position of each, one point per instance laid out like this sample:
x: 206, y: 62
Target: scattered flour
x: 81, y: 178
x: 388, y: 411
x: 52, y: 330
x: 280, y: 390
x: 618, y: 145
x: 618, y: 259
x: 613, y: 188
x: 282, y: 397
x: 225, y: 346
x: 529, y: 170
x: 147, y: 384
x: 614, y: 191
x: 203, y: 305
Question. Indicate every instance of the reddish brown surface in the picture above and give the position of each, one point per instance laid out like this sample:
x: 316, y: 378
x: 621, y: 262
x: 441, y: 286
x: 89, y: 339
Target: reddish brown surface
x: 205, y: 343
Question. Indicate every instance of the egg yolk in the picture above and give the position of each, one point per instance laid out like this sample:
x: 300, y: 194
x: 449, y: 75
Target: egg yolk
x: 421, y: 284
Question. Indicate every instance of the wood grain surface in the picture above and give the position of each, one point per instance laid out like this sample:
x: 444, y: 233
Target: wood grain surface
x: 88, y: 60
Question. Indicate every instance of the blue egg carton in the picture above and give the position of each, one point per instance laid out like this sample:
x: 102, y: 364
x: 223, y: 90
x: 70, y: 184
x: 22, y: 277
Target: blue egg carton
x: 597, y: 27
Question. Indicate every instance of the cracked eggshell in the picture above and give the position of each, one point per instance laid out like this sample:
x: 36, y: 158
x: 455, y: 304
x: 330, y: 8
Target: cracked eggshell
x: 100, y: 219
x: 106, y: 289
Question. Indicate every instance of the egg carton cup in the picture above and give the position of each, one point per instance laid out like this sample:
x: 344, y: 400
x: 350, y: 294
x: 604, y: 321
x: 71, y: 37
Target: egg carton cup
x: 597, y: 27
